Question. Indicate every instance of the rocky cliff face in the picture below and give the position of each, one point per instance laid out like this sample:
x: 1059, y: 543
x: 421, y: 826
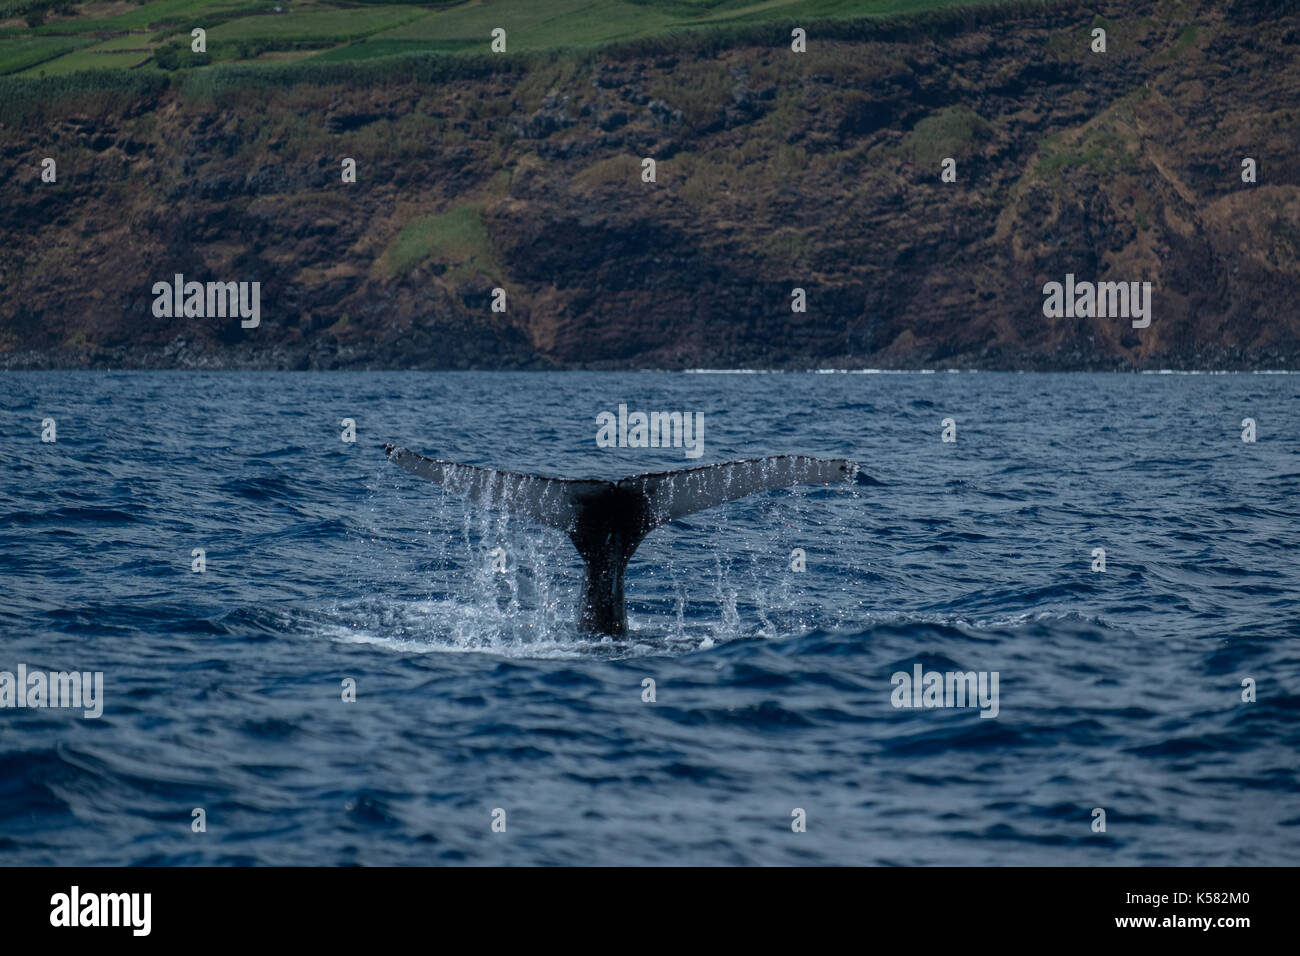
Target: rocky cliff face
x: 774, y: 171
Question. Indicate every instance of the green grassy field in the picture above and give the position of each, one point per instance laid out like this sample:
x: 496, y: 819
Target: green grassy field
x: 17, y: 53
x: 549, y: 24
x: 457, y: 237
x: 140, y: 40
x: 157, y: 13
x: 90, y: 59
x: 536, y: 25
x: 317, y: 23
x: 101, y: 35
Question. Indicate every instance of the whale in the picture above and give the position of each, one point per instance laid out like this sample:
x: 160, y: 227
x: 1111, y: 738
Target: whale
x: 607, y: 520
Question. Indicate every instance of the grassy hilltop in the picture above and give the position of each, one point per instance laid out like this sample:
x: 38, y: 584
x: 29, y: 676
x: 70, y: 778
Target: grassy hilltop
x: 776, y: 170
x: 54, y: 37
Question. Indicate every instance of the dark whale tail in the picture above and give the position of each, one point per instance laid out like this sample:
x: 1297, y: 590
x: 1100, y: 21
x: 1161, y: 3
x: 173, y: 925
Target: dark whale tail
x: 606, y: 520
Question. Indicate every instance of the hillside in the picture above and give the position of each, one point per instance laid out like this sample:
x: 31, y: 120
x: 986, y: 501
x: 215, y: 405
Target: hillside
x: 56, y: 37
x: 775, y: 170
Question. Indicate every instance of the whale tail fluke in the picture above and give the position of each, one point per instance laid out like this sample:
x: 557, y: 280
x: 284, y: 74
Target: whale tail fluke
x: 548, y: 501
x: 675, y: 494
x: 606, y: 520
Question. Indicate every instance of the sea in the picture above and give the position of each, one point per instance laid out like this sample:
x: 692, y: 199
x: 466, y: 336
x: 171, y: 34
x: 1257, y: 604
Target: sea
x: 311, y: 657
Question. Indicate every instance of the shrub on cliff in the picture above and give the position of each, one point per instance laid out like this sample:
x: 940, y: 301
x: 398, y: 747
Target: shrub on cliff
x: 176, y: 56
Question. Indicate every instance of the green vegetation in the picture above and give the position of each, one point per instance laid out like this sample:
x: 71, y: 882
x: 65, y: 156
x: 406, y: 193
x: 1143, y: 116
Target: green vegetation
x: 787, y: 250
x: 375, y: 49
x: 1102, y: 150
x: 86, y: 93
x: 1185, y: 40
x: 242, y: 30
x: 535, y: 25
x: 177, y: 56
x: 128, y: 41
x: 616, y: 171
x: 253, y: 51
x: 457, y: 239
x: 340, y: 25
x: 17, y: 53
x: 1108, y: 145
x: 956, y: 131
x: 91, y: 59
x: 157, y: 13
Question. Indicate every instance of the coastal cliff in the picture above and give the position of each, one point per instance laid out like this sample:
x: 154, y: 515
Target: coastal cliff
x: 774, y: 170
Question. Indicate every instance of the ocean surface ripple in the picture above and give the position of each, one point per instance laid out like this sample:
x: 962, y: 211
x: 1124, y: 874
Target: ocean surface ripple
x: 1119, y: 690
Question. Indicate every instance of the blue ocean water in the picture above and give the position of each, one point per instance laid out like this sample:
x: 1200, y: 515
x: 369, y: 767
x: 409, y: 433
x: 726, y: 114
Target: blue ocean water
x: 1119, y: 690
